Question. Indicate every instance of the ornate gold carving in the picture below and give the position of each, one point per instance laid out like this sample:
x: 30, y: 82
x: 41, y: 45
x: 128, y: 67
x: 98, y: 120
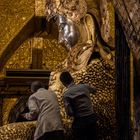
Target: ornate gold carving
x: 18, y: 131
x: 53, y: 54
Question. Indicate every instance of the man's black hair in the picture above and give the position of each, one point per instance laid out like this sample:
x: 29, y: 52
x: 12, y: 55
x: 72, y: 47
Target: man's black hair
x: 66, y: 78
x: 36, y: 85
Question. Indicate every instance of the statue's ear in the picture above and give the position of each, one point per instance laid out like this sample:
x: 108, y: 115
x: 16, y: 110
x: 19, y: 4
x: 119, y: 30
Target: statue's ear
x: 90, y: 27
x: 107, y: 22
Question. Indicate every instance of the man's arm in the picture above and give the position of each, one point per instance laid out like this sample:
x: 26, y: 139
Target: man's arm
x: 91, y: 88
x: 68, y: 106
x: 33, y: 110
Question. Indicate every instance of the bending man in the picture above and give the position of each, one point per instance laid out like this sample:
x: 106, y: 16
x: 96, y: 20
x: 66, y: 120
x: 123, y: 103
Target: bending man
x: 78, y: 105
x: 44, y: 107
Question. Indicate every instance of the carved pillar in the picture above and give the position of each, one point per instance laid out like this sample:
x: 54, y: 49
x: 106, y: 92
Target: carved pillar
x: 122, y: 84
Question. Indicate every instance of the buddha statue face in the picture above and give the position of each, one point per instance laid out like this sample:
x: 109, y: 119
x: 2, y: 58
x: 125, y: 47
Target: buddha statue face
x: 68, y: 32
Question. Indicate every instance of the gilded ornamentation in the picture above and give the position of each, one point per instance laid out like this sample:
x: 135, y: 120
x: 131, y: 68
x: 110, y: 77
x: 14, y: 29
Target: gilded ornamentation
x: 22, y: 57
x: 18, y: 131
x: 37, y: 42
x: 39, y: 7
x: 13, y: 16
x: 53, y: 54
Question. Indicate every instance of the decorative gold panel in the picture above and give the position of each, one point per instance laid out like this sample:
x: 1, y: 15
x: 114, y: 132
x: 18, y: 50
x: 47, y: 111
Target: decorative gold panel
x: 21, y: 59
x: 14, y: 14
x: 39, y: 7
x: 53, y: 54
x: 37, y: 42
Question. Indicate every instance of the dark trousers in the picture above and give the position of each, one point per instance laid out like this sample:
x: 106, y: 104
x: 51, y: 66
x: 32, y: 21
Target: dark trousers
x: 54, y: 135
x: 85, y: 128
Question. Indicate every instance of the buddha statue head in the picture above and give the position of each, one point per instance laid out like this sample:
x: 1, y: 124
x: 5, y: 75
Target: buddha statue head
x: 71, y: 9
x: 68, y: 14
x: 68, y: 32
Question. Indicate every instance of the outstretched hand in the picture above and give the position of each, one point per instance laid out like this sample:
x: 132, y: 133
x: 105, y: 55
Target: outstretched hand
x: 23, y: 115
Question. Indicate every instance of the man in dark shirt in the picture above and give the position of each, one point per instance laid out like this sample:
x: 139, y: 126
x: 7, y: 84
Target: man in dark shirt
x: 78, y: 104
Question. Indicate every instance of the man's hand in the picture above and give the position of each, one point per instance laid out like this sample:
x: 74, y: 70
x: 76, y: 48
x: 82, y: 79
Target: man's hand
x: 23, y: 115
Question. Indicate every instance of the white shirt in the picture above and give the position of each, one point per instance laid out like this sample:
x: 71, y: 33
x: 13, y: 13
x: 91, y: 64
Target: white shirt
x: 44, y: 106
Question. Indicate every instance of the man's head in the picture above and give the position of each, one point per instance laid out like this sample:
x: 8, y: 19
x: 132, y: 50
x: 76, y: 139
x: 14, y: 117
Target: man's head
x: 35, y: 86
x: 66, y: 78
